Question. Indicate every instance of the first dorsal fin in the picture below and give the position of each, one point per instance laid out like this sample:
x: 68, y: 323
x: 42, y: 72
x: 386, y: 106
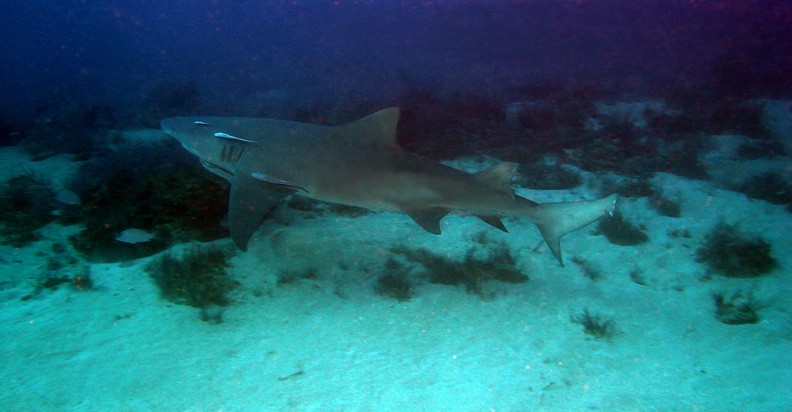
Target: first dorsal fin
x: 376, y: 128
x: 498, y: 177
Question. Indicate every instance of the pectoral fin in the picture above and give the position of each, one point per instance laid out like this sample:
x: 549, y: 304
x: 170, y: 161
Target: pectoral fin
x: 249, y: 203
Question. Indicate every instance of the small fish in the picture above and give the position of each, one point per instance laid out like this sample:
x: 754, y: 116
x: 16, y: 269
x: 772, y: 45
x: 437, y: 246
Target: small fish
x: 133, y: 236
x: 200, y: 123
x: 67, y: 197
x: 230, y: 137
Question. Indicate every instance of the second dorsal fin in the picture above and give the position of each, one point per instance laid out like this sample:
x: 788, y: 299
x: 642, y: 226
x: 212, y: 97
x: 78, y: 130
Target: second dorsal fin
x: 498, y: 177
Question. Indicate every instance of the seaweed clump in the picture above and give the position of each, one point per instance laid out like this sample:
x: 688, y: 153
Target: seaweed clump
x: 26, y: 205
x: 289, y: 277
x: 761, y: 149
x: 621, y: 232
x: 770, y: 186
x: 80, y: 281
x: 197, y: 278
x: 395, y: 283
x: 153, y: 187
x: 589, y: 269
x: 736, y: 309
x: 543, y: 177
x: 666, y: 206
x: 440, y: 126
x: 598, y: 326
x: 731, y: 254
x: 71, y: 129
x: 473, y: 272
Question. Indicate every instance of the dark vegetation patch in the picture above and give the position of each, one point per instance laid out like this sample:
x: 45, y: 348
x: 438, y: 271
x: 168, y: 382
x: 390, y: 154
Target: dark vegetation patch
x: 80, y: 281
x: 665, y: 206
x: 197, y: 277
x: 730, y: 253
x: 395, y: 282
x: 59, y: 258
x: 448, y: 126
x: 761, y: 149
x: 154, y: 187
x: 633, y: 188
x: 589, y: 269
x: 732, y: 117
x: 53, y: 282
x: 680, y: 233
x: 642, y: 187
x: 539, y: 176
x: 679, y: 155
x: 557, y: 121
x: 27, y: 203
x: 77, y: 130
x: 212, y: 314
x: 288, y: 277
x: 598, y: 326
x: 637, y: 275
x: 769, y: 186
x: 736, y: 309
x: 620, y: 231
x: 473, y: 272
x: 620, y: 146
x: 711, y: 117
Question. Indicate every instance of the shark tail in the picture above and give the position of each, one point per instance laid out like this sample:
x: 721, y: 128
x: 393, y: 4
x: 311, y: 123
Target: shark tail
x: 555, y: 220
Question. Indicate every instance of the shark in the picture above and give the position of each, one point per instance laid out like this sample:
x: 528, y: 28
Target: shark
x: 360, y: 164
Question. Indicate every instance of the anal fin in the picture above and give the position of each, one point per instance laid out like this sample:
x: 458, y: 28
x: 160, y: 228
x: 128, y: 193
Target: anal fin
x: 493, y: 221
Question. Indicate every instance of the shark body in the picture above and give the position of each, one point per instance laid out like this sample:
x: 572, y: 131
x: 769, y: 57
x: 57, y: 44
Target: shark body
x: 359, y: 164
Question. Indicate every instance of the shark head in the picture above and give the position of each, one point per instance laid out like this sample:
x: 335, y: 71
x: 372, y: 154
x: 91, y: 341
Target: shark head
x: 211, y: 142
x: 194, y: 135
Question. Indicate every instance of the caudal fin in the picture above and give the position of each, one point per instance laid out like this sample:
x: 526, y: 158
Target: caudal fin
x: 557, y: 219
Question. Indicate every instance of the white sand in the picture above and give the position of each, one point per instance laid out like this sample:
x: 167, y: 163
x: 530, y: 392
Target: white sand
x: 331, y: 343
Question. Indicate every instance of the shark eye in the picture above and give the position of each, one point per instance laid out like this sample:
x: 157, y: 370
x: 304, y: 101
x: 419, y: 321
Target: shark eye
x: 200, y: 123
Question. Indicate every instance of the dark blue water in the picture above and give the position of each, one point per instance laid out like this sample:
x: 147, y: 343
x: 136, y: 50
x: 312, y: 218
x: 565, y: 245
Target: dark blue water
x: 116, y: 51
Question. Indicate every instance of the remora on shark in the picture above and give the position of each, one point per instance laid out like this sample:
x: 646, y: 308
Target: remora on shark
x: 359, y: 164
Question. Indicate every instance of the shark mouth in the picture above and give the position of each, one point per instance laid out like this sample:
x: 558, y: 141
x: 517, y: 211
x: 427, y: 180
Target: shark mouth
x: 217, y: 170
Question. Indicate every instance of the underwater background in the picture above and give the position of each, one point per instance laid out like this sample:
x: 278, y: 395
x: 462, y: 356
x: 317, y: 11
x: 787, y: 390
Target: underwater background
x: 120, y: 288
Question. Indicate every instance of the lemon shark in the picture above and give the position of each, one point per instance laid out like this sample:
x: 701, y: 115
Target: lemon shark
x: 360, y: 164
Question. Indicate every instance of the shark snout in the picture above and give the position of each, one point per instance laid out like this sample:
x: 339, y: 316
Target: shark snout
x: 170, y: 128
x: 166, y: 126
